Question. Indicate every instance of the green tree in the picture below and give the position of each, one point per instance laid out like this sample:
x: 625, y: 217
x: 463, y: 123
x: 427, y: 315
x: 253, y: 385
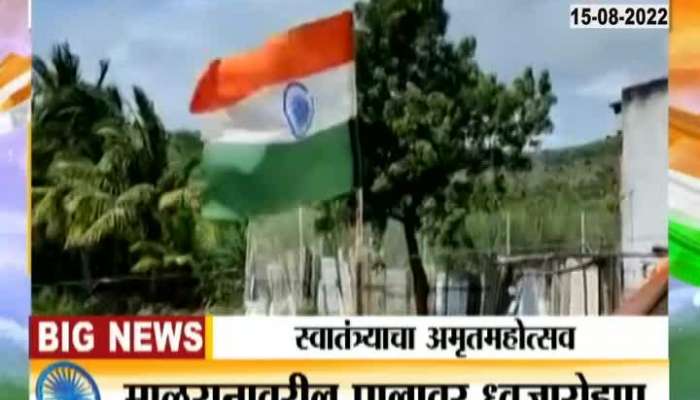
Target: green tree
x: 435, y: 130
x: 112, y: 190
x: 100, y: 167
x: 71, y: 122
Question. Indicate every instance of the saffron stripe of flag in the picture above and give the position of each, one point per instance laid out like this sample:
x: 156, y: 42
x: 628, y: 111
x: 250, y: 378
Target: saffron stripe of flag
x: 302, y: 51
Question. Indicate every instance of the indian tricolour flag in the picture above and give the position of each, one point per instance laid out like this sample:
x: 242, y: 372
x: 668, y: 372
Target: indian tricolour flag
x: 684, y: 195
x: 15, y: 90
x: 277, y: 121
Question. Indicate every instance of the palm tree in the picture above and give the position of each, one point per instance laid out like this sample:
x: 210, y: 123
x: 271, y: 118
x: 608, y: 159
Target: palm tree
x: 96, y: 168
x: 65, y: 148
x: 111, y: 187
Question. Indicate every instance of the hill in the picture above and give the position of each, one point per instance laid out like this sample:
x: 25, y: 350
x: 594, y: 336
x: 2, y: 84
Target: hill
x: 607, y: 148
x: 565, y: 189
x: 544, y: 205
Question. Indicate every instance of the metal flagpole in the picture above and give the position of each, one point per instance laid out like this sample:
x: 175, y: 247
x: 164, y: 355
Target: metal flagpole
x: 359, y: 195
x: 359, y: 224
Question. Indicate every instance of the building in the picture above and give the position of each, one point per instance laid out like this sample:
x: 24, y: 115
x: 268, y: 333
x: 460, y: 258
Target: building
x: 643, y: 122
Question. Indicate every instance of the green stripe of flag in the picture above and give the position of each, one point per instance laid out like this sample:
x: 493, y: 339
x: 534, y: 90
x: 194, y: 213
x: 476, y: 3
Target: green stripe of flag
x: 684, y: 250
x: 247, y: 179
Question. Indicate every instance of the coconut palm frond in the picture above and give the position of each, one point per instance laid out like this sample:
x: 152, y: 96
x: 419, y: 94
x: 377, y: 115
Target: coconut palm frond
x: 49, y: 206
x: 115, y: 97
x: 87, y: 203
x: 75, y: 235
x: 209, y: 235
x: 38, y: 193
x: 112, y: 131
x: 74, y: 172
x: 119, y: 222
x: 177, y: 260
x: 137, y: 195
x: 148, y: 247
x: 116, y: 160
x: 66, y: 65
x: 146, y: 113
x: 42, y: 76
x: 104, y: 68
x: 147, y: 264
x: 179, y: 198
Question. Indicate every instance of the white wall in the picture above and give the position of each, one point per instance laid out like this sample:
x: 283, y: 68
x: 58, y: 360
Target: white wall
x: 644, y: 175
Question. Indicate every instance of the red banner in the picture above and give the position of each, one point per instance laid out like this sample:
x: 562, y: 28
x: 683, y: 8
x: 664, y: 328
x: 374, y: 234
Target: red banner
x: 117, y: 337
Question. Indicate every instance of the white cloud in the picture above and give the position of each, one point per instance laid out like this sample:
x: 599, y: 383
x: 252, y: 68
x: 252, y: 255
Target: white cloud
x: 6, y: 124
x: 11, y: 120
x: 13, y: 223
x: 13, y: 256
x: 14, y: 261
x: 16, y: 158
x: 607, y: 86
x: 14, y: 333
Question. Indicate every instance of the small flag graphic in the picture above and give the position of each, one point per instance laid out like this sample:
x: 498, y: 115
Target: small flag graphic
x: 15, y: 90
x: 684, y: 195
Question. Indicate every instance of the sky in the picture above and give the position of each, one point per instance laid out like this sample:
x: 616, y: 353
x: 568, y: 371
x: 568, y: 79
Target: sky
x: 14, y: 281
x: 13, y: 27
x: 164, y: 45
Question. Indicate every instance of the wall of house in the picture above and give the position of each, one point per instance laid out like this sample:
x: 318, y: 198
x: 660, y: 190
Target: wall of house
x: 644, y: 169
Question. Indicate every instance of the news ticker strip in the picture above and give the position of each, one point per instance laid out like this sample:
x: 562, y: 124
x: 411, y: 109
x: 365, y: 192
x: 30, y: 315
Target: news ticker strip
x: 241, y: 338
x: 355, y: 379
x: 619, y: 16
x: 299, y: 388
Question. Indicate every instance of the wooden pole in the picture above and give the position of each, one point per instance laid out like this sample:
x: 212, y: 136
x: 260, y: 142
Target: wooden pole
x: 508, y: 232
x: 249, y: 273
x: 583, y: 232
x: 300, y: 222
x: 359, y: 231
x: 359, y: 220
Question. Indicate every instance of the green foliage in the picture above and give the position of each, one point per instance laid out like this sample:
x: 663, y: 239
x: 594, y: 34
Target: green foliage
x: 114, y: 193
x: 431, y: 121
x: 222, y: 280
x: 546, y: 203
x: 49, y: 302
x: 437, y: 133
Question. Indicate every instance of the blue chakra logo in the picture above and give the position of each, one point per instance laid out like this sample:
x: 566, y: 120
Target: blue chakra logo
x: 298, y: 109
x: 66, y: 381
